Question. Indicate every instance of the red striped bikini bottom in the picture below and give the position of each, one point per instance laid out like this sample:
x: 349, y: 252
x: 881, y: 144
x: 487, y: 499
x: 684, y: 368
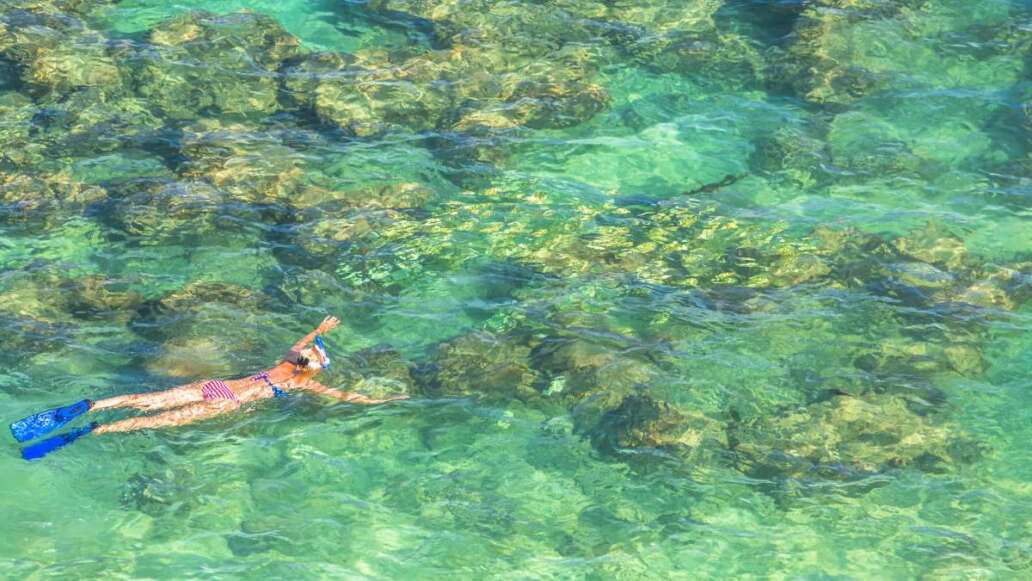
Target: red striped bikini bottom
x: 217, y: 389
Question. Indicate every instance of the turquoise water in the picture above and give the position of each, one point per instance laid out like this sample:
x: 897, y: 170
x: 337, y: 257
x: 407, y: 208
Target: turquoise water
x: 678, y: 288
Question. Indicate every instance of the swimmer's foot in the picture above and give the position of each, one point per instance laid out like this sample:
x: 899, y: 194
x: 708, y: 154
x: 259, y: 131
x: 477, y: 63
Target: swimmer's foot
x: 47, y: 421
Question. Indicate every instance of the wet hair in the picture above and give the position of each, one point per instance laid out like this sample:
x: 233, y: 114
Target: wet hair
x: 297, y: 359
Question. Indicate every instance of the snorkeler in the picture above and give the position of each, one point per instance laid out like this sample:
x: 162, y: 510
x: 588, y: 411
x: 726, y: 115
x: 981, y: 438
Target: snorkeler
x: 195, y: 401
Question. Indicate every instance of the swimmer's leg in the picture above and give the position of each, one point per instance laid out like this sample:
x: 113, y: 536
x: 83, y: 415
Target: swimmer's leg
x: 155, y: 400
x: 176, y: 417
x: 48, y: 421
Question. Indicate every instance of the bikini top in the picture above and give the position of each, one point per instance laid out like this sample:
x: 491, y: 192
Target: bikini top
x: 276, y: 392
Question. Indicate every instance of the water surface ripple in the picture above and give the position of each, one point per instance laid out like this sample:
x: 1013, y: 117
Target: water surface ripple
x: 678, y: 288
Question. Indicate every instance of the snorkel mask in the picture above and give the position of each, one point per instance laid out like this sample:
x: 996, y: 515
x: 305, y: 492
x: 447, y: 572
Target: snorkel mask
x: 320, y: 348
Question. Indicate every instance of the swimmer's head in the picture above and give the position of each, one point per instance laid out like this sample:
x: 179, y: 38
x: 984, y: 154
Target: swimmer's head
x: 308, y: 359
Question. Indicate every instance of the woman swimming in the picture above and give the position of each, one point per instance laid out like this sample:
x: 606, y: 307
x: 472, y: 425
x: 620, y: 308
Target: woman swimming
x: 195, y: 401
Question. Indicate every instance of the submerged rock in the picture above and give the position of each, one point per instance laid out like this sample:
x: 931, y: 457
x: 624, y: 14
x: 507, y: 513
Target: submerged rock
x: 504, y: 26
x: 811, y: 74
x: 323, y: 238
x: 288, y: 169
x: 934, y: 245
x: 98, y: 297
x: 822, y: 63
x: 40, y: 303
x: 669, y: 35
x: 483, y: 364
x: 202, y: 310
x: 44, y: 200
x: 1003, y: 288
x: 368, y: 97
x: 203, y: 343
x: 927, y: 267
x: 157, y: 495
x: 371, y: 250
x: 74, y: 7
x: 24, y: 334
x: 47, y: 293
x: 709, y: 54
x: 202, y: 63
x: 797, y: 153
x: 248, y: 162
x: 49, y: 138
x: 201, y: 293
x: 901, y: 356
x: 831, y: 59
x: 156, y: 210
x: 578, y: 369
x: 90, y: 123
x: 19, y: 115
x: 57, y: 55
x: 867, y: 144
x: 191, y: 358
x: 697, y: 245
x: 641, y: 423
x: 33, y: 293
x: 377, y: 372
x: 845, y: 438
x: 463, y: 89
x: 492, y: 74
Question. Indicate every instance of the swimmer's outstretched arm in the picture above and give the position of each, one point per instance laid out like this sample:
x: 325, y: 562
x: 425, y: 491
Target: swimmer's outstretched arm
x: 350, y: 397
x: 324, y: 327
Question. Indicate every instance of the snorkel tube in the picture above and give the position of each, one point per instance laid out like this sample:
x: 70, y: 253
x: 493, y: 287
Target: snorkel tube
x: 320, y: 348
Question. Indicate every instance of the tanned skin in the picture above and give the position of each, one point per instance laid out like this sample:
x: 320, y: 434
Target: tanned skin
x: 186, y: 404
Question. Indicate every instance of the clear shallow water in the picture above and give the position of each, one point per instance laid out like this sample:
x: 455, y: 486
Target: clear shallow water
x: 618, y: 368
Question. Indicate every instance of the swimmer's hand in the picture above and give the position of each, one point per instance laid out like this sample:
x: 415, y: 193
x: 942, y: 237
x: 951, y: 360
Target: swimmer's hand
x: 370, y: 401
x: 364, y: 400
x: 353, y: 397
x: 327, y: 325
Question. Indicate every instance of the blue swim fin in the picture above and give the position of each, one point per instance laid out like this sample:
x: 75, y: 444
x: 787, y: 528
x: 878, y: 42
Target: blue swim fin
x: 40, y: 449
x: 42, y: 423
